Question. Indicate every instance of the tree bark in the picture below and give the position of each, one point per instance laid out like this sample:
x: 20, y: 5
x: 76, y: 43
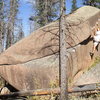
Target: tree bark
x: 1, y: 25
x: 63, y: 52
x: 46, y: 12
x: 11, y: 22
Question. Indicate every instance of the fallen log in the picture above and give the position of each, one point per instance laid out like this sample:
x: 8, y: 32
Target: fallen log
x: 49, y: 91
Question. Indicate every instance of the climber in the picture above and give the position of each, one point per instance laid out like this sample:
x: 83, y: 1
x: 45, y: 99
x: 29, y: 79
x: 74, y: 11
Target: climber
x: 96, y: 39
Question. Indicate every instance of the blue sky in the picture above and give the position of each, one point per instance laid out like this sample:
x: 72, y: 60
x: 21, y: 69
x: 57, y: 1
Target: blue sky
x: 25, y: 11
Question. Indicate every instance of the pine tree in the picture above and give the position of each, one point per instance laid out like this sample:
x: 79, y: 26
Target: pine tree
x: 8, y: 22
x: 74, y: 5
x: 11, y: 22
x: 1, y: 24
x: 20, y: 33
x: 95, y: 3
x: 45, y: 11
x: 63, y: 54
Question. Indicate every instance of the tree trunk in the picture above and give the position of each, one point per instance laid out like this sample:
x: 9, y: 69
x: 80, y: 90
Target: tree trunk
x: 1, y: 25
x: 46, y: 12
x: 63, y: 56
x: 11, y: 23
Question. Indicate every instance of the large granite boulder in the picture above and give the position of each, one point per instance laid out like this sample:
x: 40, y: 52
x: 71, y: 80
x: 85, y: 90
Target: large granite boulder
x: 33, y: 62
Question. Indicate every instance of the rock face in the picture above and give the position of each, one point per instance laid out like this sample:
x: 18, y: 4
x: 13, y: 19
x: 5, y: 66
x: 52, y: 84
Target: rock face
x: 90, y: 76
x: 33, y: 62
x: 5, y: 90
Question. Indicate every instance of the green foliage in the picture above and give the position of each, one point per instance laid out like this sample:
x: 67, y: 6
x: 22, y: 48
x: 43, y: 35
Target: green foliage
x: 11, y: 18
x: 86, y: 96
x: 46, y: 97
x: 1, y: 10
x: 1, y: 82
x: 96, y: 61
x: 74, y: 6
x: 54, y: 83
x: 95, y: 3
x: 46, y: 11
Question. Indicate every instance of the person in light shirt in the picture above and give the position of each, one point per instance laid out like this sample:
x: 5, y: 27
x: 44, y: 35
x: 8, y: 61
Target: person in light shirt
x: 96, y: 39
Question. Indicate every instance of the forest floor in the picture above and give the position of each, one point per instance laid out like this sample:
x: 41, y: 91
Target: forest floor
x: 92, y: 75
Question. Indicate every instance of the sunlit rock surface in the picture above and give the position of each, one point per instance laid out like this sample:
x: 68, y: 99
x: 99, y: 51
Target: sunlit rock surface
x: 33, y: 62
